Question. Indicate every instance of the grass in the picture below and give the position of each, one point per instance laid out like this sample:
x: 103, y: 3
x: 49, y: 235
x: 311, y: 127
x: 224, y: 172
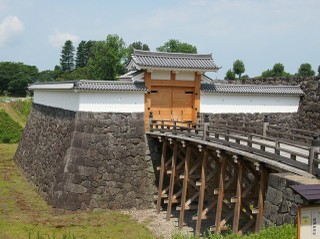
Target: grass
x: 287, y: 231
x: 24, y: 214
x: 10, y: 131
x: 18, y: 110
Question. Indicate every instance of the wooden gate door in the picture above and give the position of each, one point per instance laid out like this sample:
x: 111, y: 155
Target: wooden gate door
x: 161, y: 103
x: 172, y: 103
x: 182, y: 103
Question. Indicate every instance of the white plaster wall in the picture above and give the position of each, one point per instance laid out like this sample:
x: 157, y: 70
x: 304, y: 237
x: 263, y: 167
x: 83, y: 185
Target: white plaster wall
x: 118, y: 102
x: 188, y: 76
x: 214, y: 103
x: 160, y: 75
x: 67, y: 100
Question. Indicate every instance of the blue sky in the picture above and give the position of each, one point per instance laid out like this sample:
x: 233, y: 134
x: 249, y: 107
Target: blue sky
x: 260, y: 33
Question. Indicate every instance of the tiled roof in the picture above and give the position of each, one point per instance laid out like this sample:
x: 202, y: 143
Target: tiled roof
x: 183, y: 61
x: 90, y: 85
x: 251, y: 89
x: 110, y: 86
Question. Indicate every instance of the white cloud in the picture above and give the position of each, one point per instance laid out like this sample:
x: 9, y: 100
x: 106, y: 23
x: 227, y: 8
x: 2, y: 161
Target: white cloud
x: 10, y: 27
x: 59, y: 38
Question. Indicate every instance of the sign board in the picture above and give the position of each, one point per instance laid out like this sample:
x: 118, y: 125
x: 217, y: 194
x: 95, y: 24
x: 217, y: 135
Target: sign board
x: 309, y: 222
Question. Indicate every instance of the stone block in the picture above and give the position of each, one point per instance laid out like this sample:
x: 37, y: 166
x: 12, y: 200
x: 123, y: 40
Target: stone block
x: 274, y: 196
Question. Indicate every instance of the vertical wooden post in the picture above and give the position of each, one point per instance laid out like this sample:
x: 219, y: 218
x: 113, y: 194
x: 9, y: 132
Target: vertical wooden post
x: 262, y: 192
x: 184, y: 186
x: 313, y: 149
x: 237, y: 207
x: 150, y: 122
x: 161, y: 176
x: 172, y: 179
x: 205, y: 126
x: 201, y: 191
x: 223, y: 163
x: 265, y: 125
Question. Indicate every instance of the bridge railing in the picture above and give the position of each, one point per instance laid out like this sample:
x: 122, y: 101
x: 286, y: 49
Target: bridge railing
x: 302, y: 156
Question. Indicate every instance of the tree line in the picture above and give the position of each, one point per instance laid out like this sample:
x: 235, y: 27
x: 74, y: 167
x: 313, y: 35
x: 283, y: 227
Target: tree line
x: 106, y: 60
x: 238, y: 68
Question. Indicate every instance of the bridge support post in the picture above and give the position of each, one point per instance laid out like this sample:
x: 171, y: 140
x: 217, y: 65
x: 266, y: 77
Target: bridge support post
x: 265, y: 125
x: 262, y: 192
x: 237, y: 208
x: 202, y: 191
x: 184, y: 187
x: 315, y: 144
x: 172, y: 180
x: 223, y: 166
x: 161, y: 176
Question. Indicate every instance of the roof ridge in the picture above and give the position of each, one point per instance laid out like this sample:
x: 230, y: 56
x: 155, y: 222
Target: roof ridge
x: 171, y: 54
x: 246, y: 85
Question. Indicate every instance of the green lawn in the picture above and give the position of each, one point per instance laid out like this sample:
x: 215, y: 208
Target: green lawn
x: 24, y: 214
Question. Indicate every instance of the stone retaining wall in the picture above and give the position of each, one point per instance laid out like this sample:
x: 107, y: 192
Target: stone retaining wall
x: 88, y: 160
x: 281, y: 203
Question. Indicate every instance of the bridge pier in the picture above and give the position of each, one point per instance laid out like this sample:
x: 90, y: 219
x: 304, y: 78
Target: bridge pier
x: 224, y: 188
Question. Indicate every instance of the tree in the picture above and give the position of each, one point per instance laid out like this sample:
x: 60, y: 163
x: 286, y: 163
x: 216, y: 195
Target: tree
x: 305, y: 70
x: 174, y: 45
x: 83, y: 53
x: 276, y: 71
x: 49, y: 75
x: 238, y: 68
x: 137, y: 46
x: 319, y: 70
x: 108, y: 58
x: 67, y: 57
x: 80, y: 56
x: 230, y: 75
x: 15, y: 77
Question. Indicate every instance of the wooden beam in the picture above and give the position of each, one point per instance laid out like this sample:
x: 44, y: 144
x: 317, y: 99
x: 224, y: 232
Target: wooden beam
x: 262, y: 192
x: 221, y: 194
x: 201, y: 191
x: 172, y: 180
x: 161, y: 176
x: 184, y: 187
x: 237, y: 207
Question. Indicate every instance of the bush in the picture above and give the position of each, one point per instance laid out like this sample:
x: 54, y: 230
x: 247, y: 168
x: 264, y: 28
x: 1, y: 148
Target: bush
x: 10, y: 131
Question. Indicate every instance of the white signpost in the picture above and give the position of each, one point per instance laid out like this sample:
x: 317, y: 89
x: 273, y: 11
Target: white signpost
x: 309, y: 222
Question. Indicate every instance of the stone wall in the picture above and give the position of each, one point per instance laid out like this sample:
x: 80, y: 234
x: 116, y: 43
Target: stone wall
x: 88, y: 160
x: 281, y: 203
x: 308, y: 114
x: 42, y: 151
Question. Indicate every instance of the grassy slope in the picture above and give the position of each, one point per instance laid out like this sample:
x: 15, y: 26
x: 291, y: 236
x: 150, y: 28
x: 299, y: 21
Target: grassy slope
x: 18, y: 110
x: 10, y: 131
x: 23, y: 211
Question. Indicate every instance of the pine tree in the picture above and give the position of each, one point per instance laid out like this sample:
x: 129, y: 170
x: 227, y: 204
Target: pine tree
x: 67, y: 57
x: 81, y: 57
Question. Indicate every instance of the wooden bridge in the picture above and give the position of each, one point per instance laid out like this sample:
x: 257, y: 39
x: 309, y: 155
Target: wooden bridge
x: 220, y: 168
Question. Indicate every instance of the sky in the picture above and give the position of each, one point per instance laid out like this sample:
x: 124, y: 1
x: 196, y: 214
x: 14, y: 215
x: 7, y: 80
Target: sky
x: 258, y: 32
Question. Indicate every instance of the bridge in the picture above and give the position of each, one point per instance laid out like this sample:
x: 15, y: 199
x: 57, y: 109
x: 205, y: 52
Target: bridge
x: 220, y: 169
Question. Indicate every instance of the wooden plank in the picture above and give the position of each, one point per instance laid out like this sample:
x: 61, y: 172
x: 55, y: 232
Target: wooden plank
x: 161, y: 176
x: 201, y: 191
x: 237, y: 207
x: 221, y: 194
x: 172, y: 180
x: 262, y: 192
x: 184, y: 187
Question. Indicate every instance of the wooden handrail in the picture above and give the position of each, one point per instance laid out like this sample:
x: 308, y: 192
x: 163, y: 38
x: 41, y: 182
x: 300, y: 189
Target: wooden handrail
x: 233, y: 137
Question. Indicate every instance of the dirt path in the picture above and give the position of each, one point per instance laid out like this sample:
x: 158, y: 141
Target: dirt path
x: 10, y: 111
